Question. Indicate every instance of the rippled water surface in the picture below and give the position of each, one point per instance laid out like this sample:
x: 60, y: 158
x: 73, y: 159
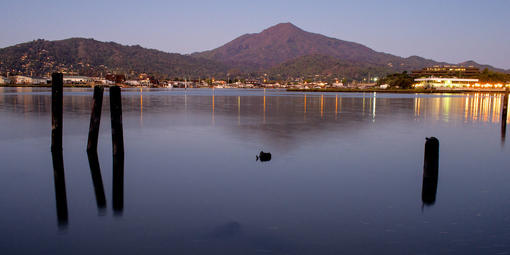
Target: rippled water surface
x: 345, y: 175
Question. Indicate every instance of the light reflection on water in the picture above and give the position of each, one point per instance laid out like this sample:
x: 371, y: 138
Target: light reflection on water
x: 346, y: 174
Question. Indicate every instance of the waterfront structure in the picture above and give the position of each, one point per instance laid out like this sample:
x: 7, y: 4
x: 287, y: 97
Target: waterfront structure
x: 446, y: 83
x: 4, y: 80
x: 133, y: 82
x: 77, y: 79
x: 447, y: 71
x: 338, y: 85
x: 20, y: 79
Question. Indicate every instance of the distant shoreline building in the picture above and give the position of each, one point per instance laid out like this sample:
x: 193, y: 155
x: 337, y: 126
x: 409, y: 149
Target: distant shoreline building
x: 77, y: 79
x: 447, y: 71
x: 446, y: 83
x: 4, y: 80
x: 20, y: 79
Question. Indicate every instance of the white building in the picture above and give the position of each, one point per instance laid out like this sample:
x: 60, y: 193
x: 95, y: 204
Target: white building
x: 4, y: 80
x: 20, y: 79
x: 445, y: 82
x: 77, y: 79
x: 133, y: 82
x: 338, y: 85
x: 36, y: 80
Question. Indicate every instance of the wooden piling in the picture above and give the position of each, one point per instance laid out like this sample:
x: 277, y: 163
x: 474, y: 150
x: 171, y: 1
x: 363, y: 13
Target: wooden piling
x: 116, y: 118
x: 97, y: 180
x: 95, y: 118
x: 60, y: 188
x: 57, y: 84
x: 118, y: 150
x: 430, y: 171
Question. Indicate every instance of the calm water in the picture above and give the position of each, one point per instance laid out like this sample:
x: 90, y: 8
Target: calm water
x: 345, y: 176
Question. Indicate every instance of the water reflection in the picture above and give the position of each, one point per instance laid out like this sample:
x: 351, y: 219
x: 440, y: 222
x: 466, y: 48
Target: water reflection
x: 118, y: 184
x: 322, y: 106
x: 212, y: 104
x: 503, y: 118
x: 141, y: 107
x: 97, y: 181
x: 477, y: 107
x: 60, y: 188
x: 264, y: 105
x: 275, y: 211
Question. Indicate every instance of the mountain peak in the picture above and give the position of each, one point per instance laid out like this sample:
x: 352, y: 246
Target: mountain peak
x: 282, y: 28
x: 280, y: 43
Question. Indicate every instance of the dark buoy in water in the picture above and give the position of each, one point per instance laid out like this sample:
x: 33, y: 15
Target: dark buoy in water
x: 264, y: 156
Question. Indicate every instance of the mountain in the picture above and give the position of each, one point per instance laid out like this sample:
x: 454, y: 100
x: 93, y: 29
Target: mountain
x: 91, y: 57
x: 326, y: 67
x: 284, y: 42
x: 285, y: 48
x: 282, y: 51
x: 481, y: 66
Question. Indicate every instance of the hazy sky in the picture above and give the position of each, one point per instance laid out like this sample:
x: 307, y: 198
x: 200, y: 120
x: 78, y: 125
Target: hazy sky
x: 452, y: 31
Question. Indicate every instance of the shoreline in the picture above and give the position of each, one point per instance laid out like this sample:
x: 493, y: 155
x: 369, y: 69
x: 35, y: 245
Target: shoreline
x: 401, y: 91
x: 330, y: 90
x: 42, y: 86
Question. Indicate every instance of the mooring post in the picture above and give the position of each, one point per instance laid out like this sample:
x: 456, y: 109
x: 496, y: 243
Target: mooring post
x: 118, y: 149
x: 60, y: 188
x: 430, y: 171
x: 57, y: 83
x: 95, y: 118
x: 116, y: 118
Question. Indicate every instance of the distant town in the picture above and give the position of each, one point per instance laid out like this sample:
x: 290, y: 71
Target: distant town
x: 448, y: 77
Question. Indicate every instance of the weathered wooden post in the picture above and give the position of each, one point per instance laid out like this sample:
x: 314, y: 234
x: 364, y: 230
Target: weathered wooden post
x: 430, y: 171
x: 116, y: 118
x: 97, y: 180
x: 95, y: 118
x: 57, y: 83
x: 60, y: 188
x: 504, y: 117
x: 118, y: 149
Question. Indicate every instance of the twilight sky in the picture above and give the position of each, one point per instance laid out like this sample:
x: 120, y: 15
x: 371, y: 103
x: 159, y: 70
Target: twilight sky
x: 447, y: 30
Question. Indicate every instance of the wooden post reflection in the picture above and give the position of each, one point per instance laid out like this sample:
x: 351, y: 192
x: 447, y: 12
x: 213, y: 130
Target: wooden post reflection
x: 430, y: 171
x: 118, y: 184
x: 97, y: 180
x: 60, y: 188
